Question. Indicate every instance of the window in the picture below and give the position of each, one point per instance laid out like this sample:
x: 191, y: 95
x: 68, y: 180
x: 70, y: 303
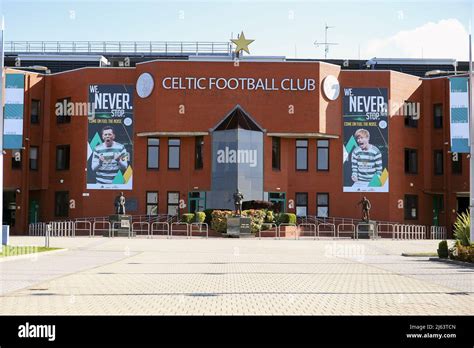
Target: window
x: 35, y: 111
x: 276, y: 153
x: 152, y: 203
x: 456, y: 163
x: 323, y: 155
x: 301, y: 154
x: 173, y: 203
x: 61, y: 204
x: 411, y: 119
x: 301, y: 203
x: 34, y: 157
x: 16, y: 159
x: 153, y: 153
x: 438, y: 162
x: 411, y: 161
x: 62, y: 110
x: 322, y: 203
x: 173, y: 153
x: 438, y: 115
x: 199, y: 153
x: 62, y: 157
x: 411, y: 207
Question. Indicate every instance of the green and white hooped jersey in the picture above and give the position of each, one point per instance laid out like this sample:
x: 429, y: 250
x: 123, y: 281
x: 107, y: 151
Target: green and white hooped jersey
x: 366, y: 163
x: 108, y: 169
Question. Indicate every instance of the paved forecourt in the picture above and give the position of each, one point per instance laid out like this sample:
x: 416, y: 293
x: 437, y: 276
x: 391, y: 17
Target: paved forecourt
x: 234, y: 276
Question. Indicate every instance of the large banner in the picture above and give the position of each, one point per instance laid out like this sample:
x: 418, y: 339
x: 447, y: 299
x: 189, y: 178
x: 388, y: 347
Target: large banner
x: 110, y: 137
x: 13, y: 112
x: 365, y: 158
x: 459, y: 110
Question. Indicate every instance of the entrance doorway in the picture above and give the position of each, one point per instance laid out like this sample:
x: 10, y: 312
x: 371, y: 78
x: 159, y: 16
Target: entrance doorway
x: 437, y: 207
x: 279, y: 201
x: 462, y: 204
x: 9, y: 208
x: 33, y: 212
x: 196, y: 201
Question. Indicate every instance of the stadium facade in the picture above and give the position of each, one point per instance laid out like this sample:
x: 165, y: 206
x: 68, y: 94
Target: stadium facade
x: 182, y: 135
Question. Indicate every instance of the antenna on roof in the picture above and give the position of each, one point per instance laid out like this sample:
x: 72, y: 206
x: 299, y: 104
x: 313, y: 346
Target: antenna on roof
x: 325, y: 43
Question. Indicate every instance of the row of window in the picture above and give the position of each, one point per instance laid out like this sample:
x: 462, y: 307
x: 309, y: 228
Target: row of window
x: 322, y: 204
x: 36, y: 111
x: 62, y: 158
x: 411, y: 162
x: 412, y: 122
x: 411, y: 156
x: 174, y: 151
x: 153, y: 153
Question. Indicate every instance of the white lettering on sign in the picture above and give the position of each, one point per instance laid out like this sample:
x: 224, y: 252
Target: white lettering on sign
x: 367, y: 104
x: 238, y: 83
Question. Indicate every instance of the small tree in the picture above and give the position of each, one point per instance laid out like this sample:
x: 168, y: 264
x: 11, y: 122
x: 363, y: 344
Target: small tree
x: 462, y: 228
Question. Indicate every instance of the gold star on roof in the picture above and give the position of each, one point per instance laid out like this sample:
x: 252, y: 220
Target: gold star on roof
x: 242, y: 43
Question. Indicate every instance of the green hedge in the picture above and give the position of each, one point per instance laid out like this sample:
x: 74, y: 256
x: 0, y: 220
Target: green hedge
x: 187, y: 218
x: 200, y: 216
x: 286, y: 218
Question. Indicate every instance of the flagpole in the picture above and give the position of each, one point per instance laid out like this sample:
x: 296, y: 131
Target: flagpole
x: 471, y: 143
x: 1, y: 121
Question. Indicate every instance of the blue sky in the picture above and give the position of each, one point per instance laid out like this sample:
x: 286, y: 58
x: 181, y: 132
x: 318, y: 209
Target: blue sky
x: 384, y: 28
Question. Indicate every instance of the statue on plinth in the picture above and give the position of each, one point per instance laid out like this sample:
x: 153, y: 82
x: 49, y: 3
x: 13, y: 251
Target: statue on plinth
x: 238, y: 197
x: 365, y: 209
x: 120, y: 204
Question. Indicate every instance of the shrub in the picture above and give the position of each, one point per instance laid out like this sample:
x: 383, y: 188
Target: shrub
x: 465, y: 253
x: 443, y: 249
x: 200, y: 216
x: 208, y: 213
x: 219, y: 220
x: 257, y: 218
x: 256, y: 205
x: 286, y: 218
x: 269, y: 218
x: 187, y: 218
x: 462, y: 229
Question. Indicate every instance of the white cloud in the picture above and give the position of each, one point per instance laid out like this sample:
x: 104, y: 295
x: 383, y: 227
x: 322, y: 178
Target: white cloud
x: 445, y: 39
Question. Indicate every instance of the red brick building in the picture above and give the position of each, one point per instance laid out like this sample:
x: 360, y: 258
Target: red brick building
x: 173, y: 149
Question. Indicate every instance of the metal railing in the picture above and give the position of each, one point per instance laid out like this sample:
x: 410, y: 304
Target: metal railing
x: 87, y: 227
x: 327, y: 227
x: 306, y: 227
x: 155, y: 228
x: 438, y: 232
x: 198, y: 227
x: 138, y: 227
x: 104, y: 223
x: 342, y: 228
x: 269, y: 229
x: 287, y: 225
x: 121, y: 47
x: 175, y: 228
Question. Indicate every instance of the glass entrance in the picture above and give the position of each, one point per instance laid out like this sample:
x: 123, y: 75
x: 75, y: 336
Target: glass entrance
x: 279, y: 201
x: 196, y: 201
